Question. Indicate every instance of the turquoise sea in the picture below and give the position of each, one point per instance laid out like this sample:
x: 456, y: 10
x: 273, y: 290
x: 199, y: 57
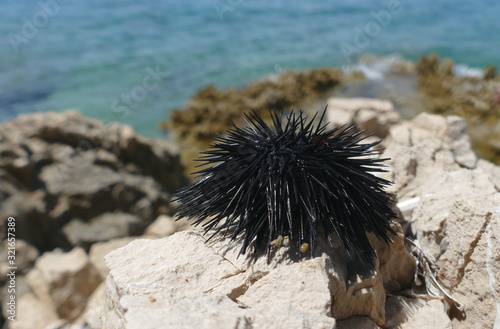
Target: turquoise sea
x: 134, y: 61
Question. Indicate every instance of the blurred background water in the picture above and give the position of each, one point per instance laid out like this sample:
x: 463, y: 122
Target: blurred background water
x: 134, y: 61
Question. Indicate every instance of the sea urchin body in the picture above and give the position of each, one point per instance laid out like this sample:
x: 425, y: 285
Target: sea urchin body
x: 291, y: 179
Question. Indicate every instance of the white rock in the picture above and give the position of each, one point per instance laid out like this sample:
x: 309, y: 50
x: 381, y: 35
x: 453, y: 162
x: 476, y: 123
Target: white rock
x: 355, y: 104
x: 24, y: 252
x: 374, y: 115
x: 300, y: 288
x: 460, y: 142
x: 64, y: 281
x: 456, y: 219
x: 451, y: 201
x: 431, y: 315
x: 491, y: 170
x: 163, y: 226
x: 406, y: 207
x: 33, y: 313
x: 101, y: 249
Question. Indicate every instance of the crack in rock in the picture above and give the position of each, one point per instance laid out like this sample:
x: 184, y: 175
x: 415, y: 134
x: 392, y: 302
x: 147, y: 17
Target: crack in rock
x: 466, y: 259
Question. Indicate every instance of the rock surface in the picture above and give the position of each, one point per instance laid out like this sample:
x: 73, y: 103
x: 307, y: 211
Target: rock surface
x: 416, y: 314
x: 473, y: 98
x: 449, y: 198
x: 64, y: 282
x: 374, y: 115
x: 456, y: 217
x: 166, y: 225
x: 101, y: 249
x: 34, y: 313
x: 156, y: 279
x: 64, y: 168
x: 451, y: 201
x: 91, y: 316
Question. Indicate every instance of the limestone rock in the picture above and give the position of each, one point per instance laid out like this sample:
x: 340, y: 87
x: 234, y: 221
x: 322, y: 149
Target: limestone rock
x: 395, y: 265
x: 492, y: 171
x: 411, y: 313
x: 457, y: 214
x: 102, y: 228
x: 33, y: 313
x: 64, y: 281
x: 101, y: 249
x: 374, y: 115
x: 91, y: 316
x: 24, y: 253
x: 163, y: 226
x: 474, y: 99
x: 55, y: 168
x: 358, y: 322
x: 166, y: 225
x: 25, y: 257
x: 405, y: 313
x: 306, y: 291
x: 429, y: 315
x: 460, y: 142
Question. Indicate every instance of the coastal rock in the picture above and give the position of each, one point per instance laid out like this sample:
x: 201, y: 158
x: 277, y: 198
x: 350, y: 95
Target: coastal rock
x: 429, y: 315
x: 410, y: 313
x: 33, y: 313
x: 101, y: 249
x: 65, y: 168
x: 163, y: 226
x: 25, y: 256
x: 104, y: 227
x: 91, y: 316
x: 492, y: 171
x: 456, y: 215
x: 64, y: 282
x: 374, y: 115
x: 166, y: 225
x: 303, y: 290
x: 448, y: 199
x: 358, y: 322
x: 211, y: 110
x: 472, y: 98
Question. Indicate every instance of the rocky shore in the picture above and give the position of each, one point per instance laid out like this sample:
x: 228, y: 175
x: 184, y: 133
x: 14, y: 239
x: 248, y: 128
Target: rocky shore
x: 210, y: 111
x: 87, y: 201
x: 476, y: 99
x: 431, y: 84
x: 71, y: 181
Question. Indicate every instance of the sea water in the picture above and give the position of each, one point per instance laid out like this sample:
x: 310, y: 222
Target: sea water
x: 135, y: 61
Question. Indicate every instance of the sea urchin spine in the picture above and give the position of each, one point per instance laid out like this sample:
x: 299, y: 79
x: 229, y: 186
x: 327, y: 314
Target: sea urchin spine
x: 289, y: 179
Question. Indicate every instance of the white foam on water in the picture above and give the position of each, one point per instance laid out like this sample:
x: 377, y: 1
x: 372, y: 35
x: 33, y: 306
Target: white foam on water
x: 461, y: 70
x: 375, y: 68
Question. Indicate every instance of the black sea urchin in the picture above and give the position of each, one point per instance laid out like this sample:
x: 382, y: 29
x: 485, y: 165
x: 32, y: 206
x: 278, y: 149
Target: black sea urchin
x: 290, y: 179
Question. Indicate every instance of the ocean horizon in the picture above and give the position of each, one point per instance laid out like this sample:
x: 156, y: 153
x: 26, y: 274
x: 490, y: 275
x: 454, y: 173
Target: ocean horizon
x: 134, y: 62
